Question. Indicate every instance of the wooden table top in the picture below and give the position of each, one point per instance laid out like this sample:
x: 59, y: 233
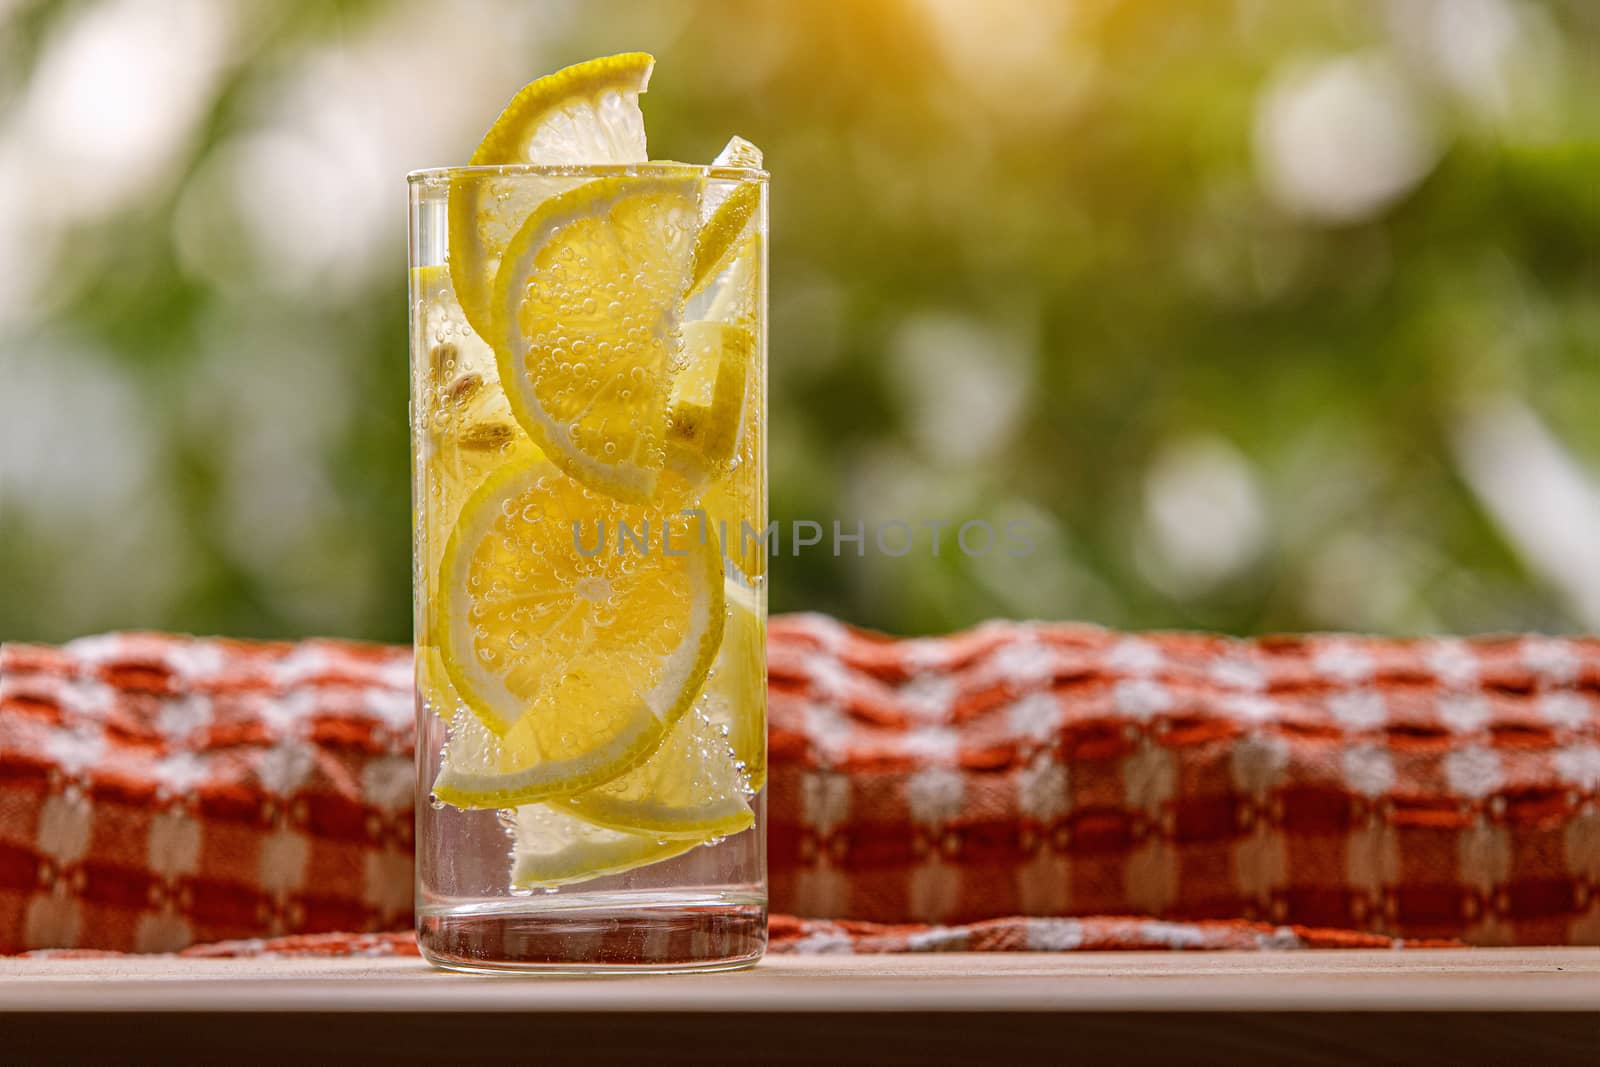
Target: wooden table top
x: 1534, y: 979
x: 946, y: 1007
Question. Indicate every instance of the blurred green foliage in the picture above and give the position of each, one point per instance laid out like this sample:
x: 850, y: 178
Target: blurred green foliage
x: 1258, y: 316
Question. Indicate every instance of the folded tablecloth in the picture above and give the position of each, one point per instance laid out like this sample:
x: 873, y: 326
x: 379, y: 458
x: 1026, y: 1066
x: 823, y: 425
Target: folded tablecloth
x: 828, y: 937
x: 1013, y: 786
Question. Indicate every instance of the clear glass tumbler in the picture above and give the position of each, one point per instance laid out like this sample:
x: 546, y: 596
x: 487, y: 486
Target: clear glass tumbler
x: 588, y: 416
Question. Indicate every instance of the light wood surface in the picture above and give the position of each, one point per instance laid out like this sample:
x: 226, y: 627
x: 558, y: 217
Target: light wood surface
x: 1537, y: 979
x: 1473, y: 1006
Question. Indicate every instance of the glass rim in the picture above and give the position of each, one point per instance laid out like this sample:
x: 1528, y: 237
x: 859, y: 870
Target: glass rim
x: 589, y: 170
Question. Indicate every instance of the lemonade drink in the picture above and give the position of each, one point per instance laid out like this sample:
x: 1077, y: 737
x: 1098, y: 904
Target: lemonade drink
x: 588, y: 414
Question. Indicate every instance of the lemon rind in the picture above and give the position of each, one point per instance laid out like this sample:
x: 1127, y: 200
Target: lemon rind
x: 706, y: 452
x: 625, y: 72
x: 718, y: 239
x: 724, y: 819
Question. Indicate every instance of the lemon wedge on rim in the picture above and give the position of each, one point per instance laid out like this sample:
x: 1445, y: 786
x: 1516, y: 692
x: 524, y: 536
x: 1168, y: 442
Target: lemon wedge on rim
x: 583, y: 115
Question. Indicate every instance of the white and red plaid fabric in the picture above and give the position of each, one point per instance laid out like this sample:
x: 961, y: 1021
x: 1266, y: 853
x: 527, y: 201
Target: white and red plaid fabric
x: 833, y: 937
x: 1424, y: 789
x: 974, y: 791
x: 157, y: 791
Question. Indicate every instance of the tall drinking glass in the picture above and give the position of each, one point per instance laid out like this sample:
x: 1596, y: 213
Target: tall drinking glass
x: 588, y: 417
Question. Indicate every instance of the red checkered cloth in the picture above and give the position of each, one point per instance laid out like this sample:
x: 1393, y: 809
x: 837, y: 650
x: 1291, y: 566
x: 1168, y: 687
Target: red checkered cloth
x: 159, y: 791
x: 1424, y: 789
x: 830, y: 937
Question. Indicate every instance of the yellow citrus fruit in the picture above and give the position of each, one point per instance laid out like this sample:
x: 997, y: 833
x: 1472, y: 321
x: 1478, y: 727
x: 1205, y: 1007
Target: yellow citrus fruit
x: 735, y: 501
x: 735, y: 698
x: 463, y: 431
x: 574, y: 628
x: 466, y: 424
x: 728, y: 210
x: 553, y: 848
x: 586, y: 114
x: 586, y: 329
x: 705, y: 411
x: 697, y: 783
x: 691, y: 787
x: 718, y: 239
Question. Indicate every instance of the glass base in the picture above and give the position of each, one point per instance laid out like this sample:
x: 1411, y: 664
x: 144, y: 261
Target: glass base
x: 598, y: 933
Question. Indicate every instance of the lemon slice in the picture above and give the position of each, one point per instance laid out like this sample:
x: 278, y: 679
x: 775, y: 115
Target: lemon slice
x: 553, y: 848
x: 433, y: 681
x: 736, y: 296
x: 575, y: 629
x: 735, y: 501
x: 585, y: 114
x: 586, y: 326
x: 706, y: 409
x: 718, y: 239
x: 697, y: 783
x: 736, y: 695
x: 727, y: 216
x: 467, y: 424
x: 464, y: 432
x: 691, y: 787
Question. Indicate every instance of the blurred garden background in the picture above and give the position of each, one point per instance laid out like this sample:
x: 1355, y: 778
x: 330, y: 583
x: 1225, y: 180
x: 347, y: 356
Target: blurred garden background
x: 1262, y: 315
